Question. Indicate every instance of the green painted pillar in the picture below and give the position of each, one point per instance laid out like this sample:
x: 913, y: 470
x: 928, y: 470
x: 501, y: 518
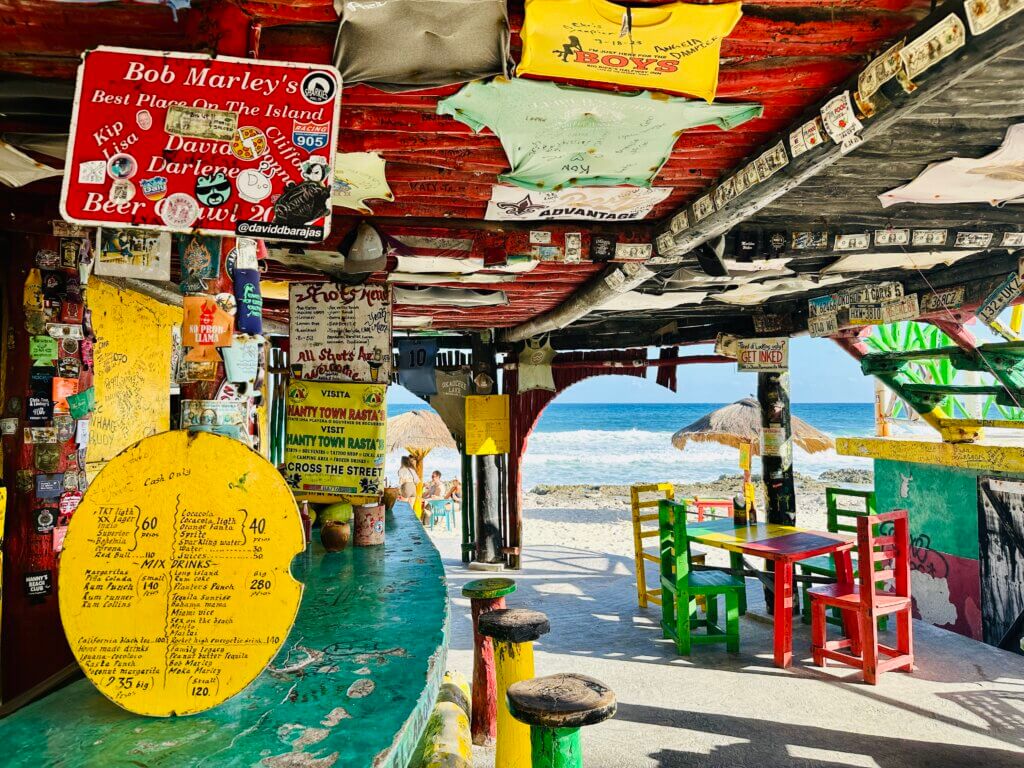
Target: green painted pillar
x: 556, y: 747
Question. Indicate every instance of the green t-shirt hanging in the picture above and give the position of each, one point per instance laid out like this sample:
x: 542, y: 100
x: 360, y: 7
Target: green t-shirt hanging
x: 558, y: 136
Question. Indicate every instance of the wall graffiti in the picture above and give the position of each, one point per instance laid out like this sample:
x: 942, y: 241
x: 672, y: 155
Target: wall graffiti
x: 1001, y: 517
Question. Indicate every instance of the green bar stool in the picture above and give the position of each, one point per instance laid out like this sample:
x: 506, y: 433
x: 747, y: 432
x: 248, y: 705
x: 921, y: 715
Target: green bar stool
x: 485, y: 595
x: 555, y: 708
x: 513, y: 631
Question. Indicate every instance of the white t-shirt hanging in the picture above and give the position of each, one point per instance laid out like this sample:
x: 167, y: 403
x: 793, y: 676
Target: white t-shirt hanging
x: 535, y: 366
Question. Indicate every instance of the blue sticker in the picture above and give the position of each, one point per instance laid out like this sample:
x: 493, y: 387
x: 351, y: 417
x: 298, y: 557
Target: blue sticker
x: 310, y: 136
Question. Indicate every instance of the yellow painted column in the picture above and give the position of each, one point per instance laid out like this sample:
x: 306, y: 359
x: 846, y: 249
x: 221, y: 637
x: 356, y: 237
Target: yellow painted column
x: 513, y: 631
x: 514, y: 663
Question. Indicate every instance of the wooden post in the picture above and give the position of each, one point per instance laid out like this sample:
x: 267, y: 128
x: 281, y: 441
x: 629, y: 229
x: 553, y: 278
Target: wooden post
x: 488, y: 531
x: 776, y: 448
x: 485, y: 595
x: 513, y: 631
x: 468, y: 517
x: 488, y: 481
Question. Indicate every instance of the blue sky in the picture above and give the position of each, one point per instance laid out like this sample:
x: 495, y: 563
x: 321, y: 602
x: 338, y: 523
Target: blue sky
x: 820, y: 372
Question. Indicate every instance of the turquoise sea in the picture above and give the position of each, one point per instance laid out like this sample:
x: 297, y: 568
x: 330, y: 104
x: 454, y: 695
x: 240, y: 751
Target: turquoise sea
x: 622, y: 443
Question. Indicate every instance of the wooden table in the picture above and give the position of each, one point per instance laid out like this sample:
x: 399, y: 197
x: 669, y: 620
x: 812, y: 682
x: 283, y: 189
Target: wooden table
x: 783, y: 545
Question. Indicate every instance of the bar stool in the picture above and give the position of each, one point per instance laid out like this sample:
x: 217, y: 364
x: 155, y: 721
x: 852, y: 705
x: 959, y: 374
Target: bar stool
x: 485, y: 595
x: 555, y: 708
x: 513, y: 631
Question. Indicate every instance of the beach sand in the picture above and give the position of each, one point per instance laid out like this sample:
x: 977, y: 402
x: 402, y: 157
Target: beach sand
x: 597, y: 518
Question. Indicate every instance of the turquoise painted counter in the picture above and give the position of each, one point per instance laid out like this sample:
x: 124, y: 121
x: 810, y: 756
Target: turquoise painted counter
x: 352, y: 687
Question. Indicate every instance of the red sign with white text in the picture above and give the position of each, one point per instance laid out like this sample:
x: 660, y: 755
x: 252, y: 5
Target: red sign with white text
x: 189, y: 143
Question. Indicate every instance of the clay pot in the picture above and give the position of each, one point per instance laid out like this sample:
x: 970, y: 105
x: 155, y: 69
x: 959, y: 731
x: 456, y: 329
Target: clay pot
x: 335, y: 536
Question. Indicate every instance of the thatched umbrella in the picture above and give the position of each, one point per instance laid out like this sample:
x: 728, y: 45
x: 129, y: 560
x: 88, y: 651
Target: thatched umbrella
x: 418, y: 433
x: 739, y: 424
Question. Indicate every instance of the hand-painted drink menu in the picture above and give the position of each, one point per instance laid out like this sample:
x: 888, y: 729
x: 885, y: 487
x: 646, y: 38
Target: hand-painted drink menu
x: 175, y: 587
x: 340, y: 333
x: 189, y: 143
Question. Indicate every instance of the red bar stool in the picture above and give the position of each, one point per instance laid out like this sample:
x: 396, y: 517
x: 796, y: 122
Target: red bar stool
x: 883, y: 541
x: 485, y: 595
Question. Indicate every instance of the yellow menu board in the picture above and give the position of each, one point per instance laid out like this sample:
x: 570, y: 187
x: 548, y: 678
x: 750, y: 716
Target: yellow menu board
x: 487, y: 425
x: 175, y: 589
x: 335, y: 442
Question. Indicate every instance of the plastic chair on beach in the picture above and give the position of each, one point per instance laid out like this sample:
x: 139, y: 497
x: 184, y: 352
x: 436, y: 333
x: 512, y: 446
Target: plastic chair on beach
x: 441, y: 508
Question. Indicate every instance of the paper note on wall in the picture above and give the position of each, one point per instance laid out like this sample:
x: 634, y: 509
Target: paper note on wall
x: 132, y: 362
x: 487, y: 425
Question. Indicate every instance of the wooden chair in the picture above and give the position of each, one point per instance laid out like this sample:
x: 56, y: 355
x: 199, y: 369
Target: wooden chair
x: 883, y: 559
x: 840, y: 520
x: 681, y: 587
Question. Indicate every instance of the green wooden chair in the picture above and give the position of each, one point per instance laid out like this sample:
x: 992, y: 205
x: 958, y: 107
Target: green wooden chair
x: 840, y: 520
x: 681, y: 586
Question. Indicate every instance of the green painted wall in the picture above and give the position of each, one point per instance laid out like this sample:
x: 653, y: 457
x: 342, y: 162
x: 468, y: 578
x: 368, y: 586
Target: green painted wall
x: 942, y: 501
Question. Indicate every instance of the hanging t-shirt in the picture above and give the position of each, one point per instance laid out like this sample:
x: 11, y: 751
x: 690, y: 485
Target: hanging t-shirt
x: 671, y: 47
x: 416, y: 365
x: 401, y: 45
x: 559, y: 136
x: 995, y: 178
x: 535, y: 366
x: 450, y: 400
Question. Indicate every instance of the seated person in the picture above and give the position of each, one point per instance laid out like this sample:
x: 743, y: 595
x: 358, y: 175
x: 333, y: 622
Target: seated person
x: 454, y: 491
x: 435, y: 488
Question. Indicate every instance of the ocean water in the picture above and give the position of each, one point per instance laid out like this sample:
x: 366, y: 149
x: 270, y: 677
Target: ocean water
x: 623, y: 443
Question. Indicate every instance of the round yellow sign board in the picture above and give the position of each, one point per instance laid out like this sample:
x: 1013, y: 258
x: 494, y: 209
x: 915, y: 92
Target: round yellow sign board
x: 175, y: 589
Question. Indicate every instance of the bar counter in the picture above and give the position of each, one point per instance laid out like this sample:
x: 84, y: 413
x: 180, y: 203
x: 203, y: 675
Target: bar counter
x: 352, y: 686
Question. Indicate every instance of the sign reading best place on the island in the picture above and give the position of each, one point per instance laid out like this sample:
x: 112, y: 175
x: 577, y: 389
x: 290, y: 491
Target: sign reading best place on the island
x: 186, y: 142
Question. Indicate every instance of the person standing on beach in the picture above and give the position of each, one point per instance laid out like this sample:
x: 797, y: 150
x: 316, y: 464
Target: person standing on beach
x: 407, y: 479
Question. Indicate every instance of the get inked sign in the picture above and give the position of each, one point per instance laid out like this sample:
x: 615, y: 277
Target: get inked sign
x: 189, y: 143
x: 763, y: 355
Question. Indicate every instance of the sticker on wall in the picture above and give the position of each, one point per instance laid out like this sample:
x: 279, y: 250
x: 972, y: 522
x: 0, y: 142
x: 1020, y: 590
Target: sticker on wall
x: 358, y: 177
x: 838, y: 118
x: 581, y: 203
x: 38, y: 584
x: 133, y: 253
x: 200, y: 261
x: 204, y: 327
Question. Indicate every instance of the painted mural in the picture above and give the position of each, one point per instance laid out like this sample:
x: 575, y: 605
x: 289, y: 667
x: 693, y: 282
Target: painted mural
x: 946, y: 573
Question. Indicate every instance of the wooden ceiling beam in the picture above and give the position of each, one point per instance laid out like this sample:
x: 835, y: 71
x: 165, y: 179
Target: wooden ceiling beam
x: 978, y: 52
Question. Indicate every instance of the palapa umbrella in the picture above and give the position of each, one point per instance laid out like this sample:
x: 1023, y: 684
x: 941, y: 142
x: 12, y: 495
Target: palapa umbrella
x: 739, y: 425
x: 418, y: 433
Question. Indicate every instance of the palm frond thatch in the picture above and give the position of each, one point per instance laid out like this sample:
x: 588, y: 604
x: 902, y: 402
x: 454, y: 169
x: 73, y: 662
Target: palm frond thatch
x: 420, y: 431
x: 740, y: 423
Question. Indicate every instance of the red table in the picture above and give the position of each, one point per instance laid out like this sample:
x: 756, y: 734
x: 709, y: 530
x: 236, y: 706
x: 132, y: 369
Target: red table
x: 783, y: 545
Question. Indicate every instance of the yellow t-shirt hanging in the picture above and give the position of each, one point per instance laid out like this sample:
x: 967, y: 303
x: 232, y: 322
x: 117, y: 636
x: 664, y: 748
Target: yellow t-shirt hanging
x: 671, y: 47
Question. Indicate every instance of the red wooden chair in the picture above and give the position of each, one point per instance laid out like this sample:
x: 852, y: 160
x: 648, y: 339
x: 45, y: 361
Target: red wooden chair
x: 862, y: 604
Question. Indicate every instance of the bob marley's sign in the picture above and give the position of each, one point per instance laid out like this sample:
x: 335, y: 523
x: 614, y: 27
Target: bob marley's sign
x: 188, y: 143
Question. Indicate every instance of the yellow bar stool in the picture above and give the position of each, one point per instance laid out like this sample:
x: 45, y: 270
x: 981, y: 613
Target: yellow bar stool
x: 513, y: 631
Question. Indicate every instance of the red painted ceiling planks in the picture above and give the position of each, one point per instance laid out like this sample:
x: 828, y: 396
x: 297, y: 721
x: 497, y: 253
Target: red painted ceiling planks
x: 786, y: 54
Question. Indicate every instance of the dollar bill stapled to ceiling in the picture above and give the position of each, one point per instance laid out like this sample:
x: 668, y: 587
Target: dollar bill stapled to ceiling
x: 559, y: 136
x: 673, y: 47
x: 407, y: 45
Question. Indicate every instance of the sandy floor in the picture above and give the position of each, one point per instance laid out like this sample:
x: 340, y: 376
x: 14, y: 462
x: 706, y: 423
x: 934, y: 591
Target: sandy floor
x: 963, y: 707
